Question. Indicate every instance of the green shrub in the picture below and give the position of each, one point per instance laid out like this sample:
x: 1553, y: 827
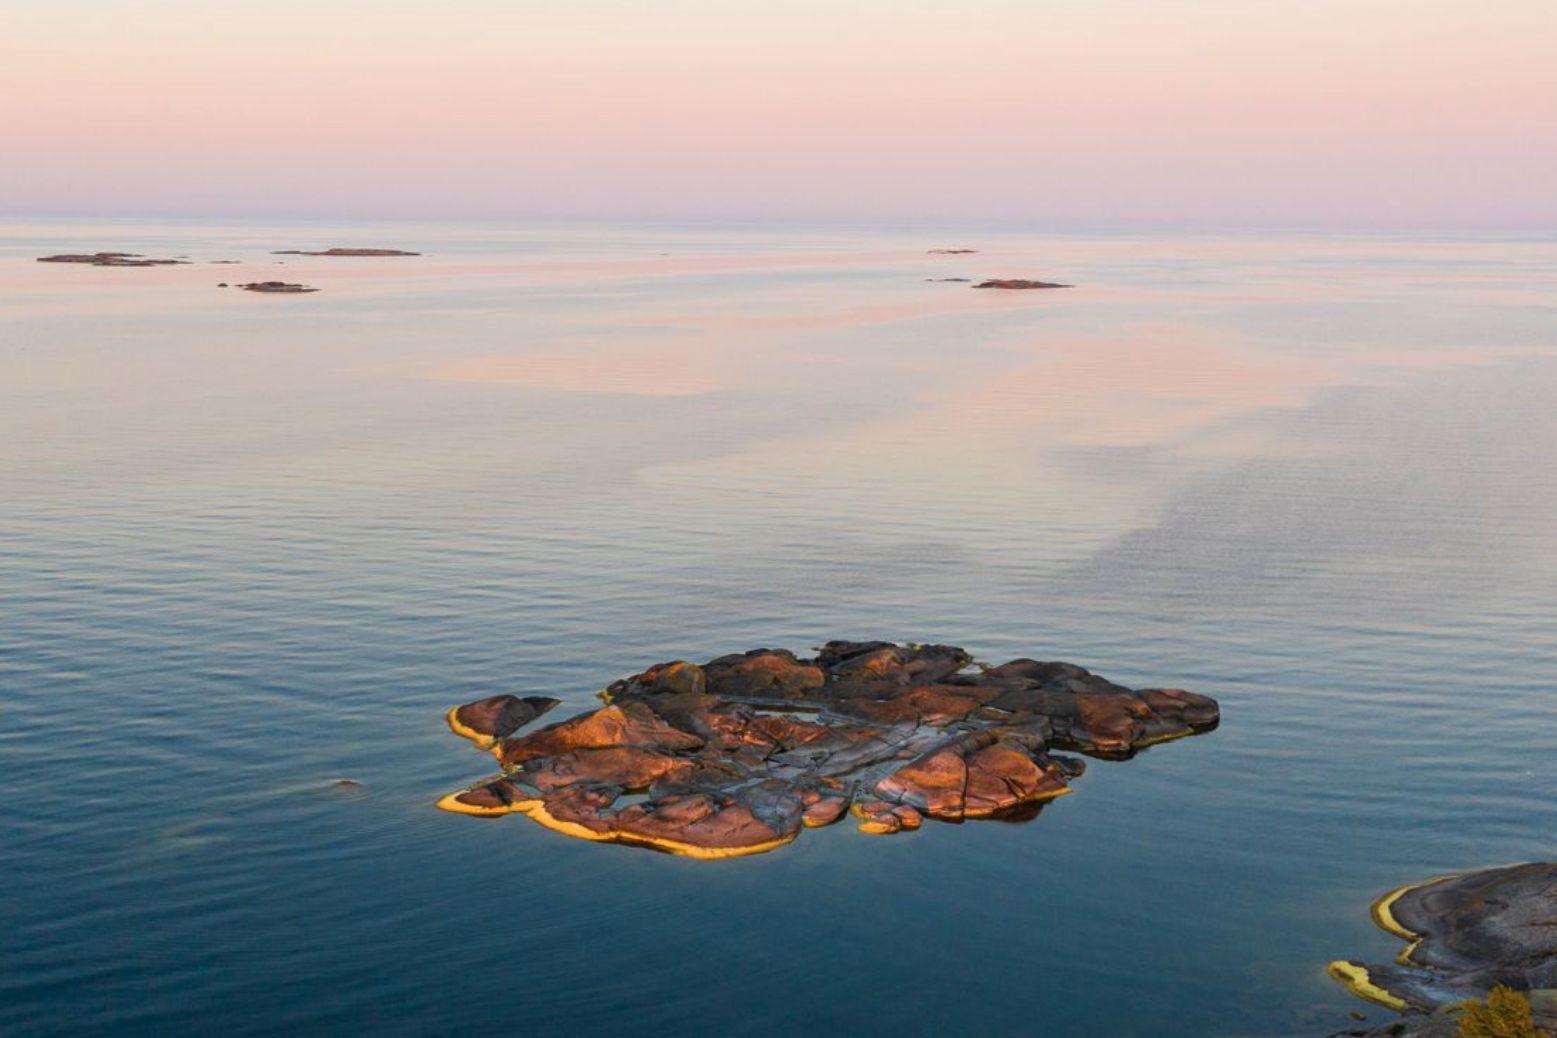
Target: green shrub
x: 1505, y: 1014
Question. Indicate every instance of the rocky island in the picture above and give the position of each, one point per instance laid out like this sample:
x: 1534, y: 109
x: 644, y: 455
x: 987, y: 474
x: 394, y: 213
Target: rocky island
x: 1018, y: 283
x: 738, y: 755
x: 110, y: 259
x: 1468, y: 934
x: 277, y: 287
x: 345, y: 252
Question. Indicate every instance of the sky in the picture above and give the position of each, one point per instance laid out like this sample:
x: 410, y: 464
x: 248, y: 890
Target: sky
x: 1366, y: 114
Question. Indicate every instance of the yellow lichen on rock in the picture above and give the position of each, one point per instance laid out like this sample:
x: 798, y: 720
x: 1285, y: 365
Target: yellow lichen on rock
x: 1356, y: 980
x: 482, y: 741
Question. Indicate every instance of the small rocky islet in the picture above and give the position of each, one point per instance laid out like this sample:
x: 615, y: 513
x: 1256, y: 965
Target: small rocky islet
x: 131, y: 259
x: 340, y: 251
x: 111, y: 259
x: 277, y: 287
x: 1018, y: 283
x: 738, y: 755
x: 1467, y: 934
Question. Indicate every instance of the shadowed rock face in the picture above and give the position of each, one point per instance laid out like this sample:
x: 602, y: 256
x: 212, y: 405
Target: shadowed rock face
x: 737, y: 755
x: 497, y: 717
x: 1467, y: 933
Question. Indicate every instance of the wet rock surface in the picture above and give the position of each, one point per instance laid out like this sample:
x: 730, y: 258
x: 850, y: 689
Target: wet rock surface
x: 111, y: 259
x: 1018, y: 283
x: 278, y: 287
x: 739, y: 754
x: 338, y: 251
x: 1467, y: 933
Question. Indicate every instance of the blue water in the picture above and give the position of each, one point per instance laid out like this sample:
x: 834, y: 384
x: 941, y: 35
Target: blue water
x: 251, y: 545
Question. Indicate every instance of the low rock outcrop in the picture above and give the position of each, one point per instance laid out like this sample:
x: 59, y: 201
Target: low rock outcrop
x: 111, y: 259
x: 278, y: 287
x: 338, y: 251
x: 738, y: 755
x: 1468, y: 934
x: 1018, y: 283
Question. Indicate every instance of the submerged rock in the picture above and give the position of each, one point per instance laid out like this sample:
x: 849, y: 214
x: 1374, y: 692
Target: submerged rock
x: 1018, y: 283
x: 111, y: 259
x: 1467, y: 934
x: 737, y: 755
x: 345, y: 252
x: 280, y: 287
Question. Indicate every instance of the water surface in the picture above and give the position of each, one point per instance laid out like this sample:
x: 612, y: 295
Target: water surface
x: 250, y: 545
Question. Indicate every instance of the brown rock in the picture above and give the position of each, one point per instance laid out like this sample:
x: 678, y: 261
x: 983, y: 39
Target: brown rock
x: 631, y: 767
x: 701, y: 825
x: 345, y: 252
x: 935, y: 784
x: 825, y: 810
x: 276, y: 287
x: 1002, y: 776
x: 676, y: 676
x: 630, y: 724
x: 763, y: 674
x: 110, y: 259
x: 497, y: 717
x: 1018, y: 283
x: 737, y: 755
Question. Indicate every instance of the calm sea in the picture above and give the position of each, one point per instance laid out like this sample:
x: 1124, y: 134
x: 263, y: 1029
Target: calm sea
x: 250, y: 545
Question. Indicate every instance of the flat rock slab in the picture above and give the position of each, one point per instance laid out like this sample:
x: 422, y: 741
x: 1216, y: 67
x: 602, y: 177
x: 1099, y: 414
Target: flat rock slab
x: 1467, y: 933
x: 737, y: 755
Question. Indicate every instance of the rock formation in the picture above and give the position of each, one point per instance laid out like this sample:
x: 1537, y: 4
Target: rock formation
x: 280, y: 287
x: 737, y: 755
x: 1017, y: 283
x: 111, y: 259
x: 344, y: 252
x: 1467, y: 934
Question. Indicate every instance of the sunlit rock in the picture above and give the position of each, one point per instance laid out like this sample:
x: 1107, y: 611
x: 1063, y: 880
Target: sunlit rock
x: 737, y: 755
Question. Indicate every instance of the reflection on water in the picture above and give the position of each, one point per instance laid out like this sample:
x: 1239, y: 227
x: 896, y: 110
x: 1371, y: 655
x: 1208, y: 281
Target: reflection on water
x: 251, y: 545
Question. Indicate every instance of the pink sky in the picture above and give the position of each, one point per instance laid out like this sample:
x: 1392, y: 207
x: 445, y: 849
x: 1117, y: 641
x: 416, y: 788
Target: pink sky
x: 1028, y: 113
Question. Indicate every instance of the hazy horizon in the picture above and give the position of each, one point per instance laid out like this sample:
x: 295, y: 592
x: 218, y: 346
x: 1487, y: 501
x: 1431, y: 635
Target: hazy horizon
x: 1109, y: 115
